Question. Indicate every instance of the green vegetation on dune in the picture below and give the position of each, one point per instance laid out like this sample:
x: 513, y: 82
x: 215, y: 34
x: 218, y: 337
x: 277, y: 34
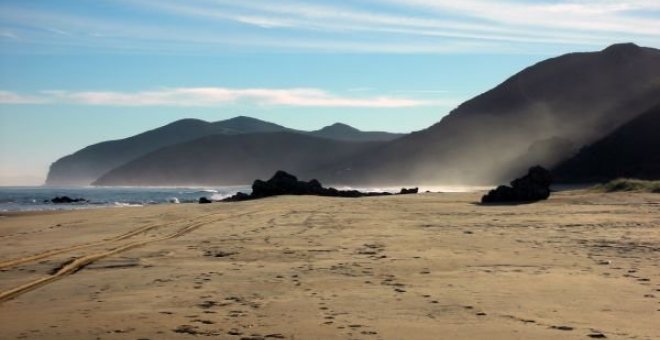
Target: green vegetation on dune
x: 628, y: 184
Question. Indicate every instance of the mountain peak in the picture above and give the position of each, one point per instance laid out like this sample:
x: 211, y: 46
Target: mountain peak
x: 622, y: 48
x: 186, y: 124
x: 188, y: 121
x: 242, y: 119
x: 245, y: 124
x: 341, y: 131
x: 339, y: 127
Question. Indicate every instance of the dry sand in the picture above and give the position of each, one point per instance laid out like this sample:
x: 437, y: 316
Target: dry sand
x: 430, y: 266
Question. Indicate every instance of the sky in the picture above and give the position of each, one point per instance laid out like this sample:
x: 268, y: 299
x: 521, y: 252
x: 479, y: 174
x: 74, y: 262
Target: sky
x: 78, y: 72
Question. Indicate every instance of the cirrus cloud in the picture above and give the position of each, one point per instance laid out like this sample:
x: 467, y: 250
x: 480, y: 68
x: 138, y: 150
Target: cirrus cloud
x: 217, y: 96
x: 8, y: 97
x: 352, y: 26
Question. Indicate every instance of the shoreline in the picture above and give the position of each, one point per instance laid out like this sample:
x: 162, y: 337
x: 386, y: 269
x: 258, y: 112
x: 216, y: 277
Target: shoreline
x: 36, y: 207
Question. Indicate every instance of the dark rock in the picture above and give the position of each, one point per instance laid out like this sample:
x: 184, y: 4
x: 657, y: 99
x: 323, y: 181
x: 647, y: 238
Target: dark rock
x: 67, y: 199
x: 405, y: 191
x: 239, y: 196
x: 283, y: 183
x: 315, y: 185
x: 204, y: 200
x: 534, y: 186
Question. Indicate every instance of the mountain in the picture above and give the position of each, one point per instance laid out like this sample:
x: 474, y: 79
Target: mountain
x: 631, y: 151
x: 234, y: 159
x: 541, y: 115
x: 345, y: 132
x: 86, y: 165
x: 575, y: 98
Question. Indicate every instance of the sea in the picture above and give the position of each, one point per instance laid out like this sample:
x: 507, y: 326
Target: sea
x: 38, y: 198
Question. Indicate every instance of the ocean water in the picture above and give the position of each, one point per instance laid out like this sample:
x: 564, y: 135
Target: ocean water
x: 38, y: 198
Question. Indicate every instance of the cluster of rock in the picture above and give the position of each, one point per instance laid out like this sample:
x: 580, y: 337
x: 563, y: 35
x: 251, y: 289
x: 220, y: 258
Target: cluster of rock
x: 534, y: 186
x: 283, y: 183
x: 405, y: 191
x: 204, y: 200
x: 67, y: 199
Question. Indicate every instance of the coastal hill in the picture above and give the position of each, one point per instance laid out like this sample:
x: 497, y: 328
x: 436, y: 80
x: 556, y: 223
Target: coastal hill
x: 86, y: 165
x: 574, y: 99
x: 234, y: 159
x: 633, y: 150
x: 540, y: 115
x: 345, y: 132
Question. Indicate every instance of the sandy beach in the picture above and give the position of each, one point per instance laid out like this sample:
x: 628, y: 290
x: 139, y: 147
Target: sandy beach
x: 431, y: 266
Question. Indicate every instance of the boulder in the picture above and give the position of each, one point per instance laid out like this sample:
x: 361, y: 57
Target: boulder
x: 67, y: 199
x: 239, y: 196
x: 204, y: 200
x: 532, y: 187
x: 405, y: 191
x: 283, y: 183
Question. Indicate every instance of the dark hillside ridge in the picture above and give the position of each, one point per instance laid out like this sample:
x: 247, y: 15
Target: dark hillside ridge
x: 233, y: 160
x: 87, y: 165
x: 573, y: 100
x: 345, y: 132
x: 631, y: 151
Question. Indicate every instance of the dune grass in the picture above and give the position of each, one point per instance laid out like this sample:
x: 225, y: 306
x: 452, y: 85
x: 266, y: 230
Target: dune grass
x: 629, y: 184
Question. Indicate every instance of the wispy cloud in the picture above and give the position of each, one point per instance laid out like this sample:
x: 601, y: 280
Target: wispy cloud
x: 43, y: 28
x: 587, y: 22
x: 341, y: 19
x: 8, y: 35
x: 218, y: 96
x: 587, y: 15
x: 360, y: 26
x: 8, y: 97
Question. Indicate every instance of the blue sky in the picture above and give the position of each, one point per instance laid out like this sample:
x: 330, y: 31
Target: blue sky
x: 77, y: 72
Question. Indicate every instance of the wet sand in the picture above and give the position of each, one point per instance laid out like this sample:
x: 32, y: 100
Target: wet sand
x: 431, y: 266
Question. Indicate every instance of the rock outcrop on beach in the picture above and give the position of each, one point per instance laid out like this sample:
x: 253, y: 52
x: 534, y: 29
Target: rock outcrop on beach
x: 577, y: 97
x: 88, y: 164
x: 204, y: 200
x: 283, y: 183
x: 66, y: 200
x: 631, y: 151
x: 405, y: 191
x: 534, y: 186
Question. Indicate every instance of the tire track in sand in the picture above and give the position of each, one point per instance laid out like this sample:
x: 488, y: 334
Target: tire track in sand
x: 79, y: 263
x: 53, y: 252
